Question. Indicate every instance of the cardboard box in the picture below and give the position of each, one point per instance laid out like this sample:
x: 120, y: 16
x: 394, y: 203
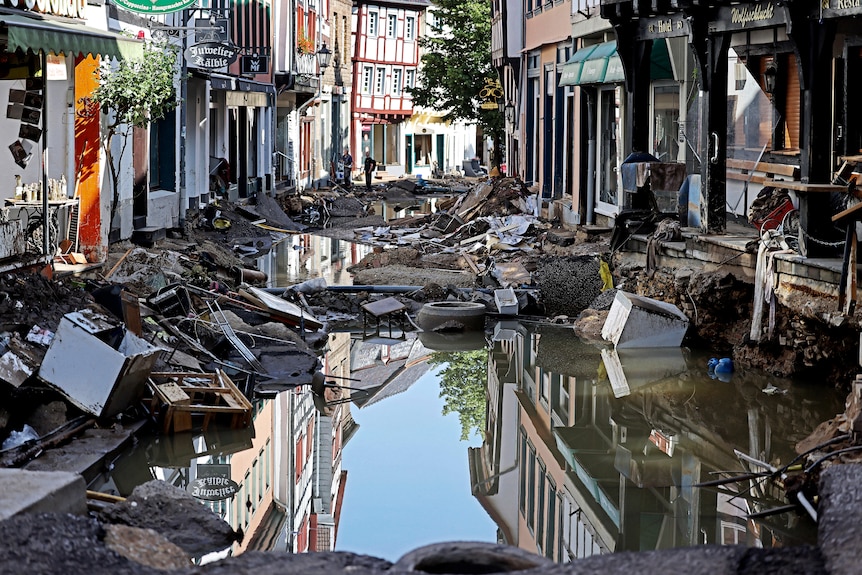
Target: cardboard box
x: 97, y: 364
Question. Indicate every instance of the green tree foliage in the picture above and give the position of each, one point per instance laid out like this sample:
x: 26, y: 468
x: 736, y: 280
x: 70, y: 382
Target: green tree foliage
x: 135, y: 92
x: 462, y: 386
x: 456, y: 63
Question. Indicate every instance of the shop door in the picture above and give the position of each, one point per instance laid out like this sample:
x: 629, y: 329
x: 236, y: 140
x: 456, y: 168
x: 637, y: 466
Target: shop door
x: 441, y: 142
x: 608, y: 159
x: 408, y: 152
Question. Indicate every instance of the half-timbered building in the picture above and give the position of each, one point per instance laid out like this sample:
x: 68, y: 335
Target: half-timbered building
x: 385, y: 64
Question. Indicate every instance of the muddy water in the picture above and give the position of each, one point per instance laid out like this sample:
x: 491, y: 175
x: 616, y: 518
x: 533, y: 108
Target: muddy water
x: 569, y: 451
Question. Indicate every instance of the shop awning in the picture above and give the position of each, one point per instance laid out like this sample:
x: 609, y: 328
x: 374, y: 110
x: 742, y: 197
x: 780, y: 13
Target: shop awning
x: 594, y: 70
x: 30, y: 34
x: 572, y: 68
x: 600, y: 64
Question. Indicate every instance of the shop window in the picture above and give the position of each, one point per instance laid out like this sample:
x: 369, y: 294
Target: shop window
x: 665, y: 122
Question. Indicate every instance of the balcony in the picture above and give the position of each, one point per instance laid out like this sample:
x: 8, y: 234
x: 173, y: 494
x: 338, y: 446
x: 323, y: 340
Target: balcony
x: 306, y: 64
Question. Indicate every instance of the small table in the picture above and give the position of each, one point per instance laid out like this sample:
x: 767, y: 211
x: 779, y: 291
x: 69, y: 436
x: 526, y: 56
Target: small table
x: 385, y: 308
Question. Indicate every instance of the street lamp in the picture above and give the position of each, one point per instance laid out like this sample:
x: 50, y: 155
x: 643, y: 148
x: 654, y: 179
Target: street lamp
x: 323, y: 56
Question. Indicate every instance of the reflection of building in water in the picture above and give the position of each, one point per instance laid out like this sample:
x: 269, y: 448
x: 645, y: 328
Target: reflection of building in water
x: 568, y: 470
x: 303, y: 256
x: 386, y: 367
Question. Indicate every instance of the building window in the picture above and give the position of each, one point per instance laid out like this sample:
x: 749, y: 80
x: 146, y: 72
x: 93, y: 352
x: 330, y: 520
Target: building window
x: 379, y: 81
x: 411, y: 78
x: 372, y: 23
x: 529, y: 5
x: 396, y: 81
x: 409, y: 28
x: 367, y: 72
x: 391, y: 25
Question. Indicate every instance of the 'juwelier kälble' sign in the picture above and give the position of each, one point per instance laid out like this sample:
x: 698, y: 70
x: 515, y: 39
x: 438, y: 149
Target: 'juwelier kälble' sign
x: 211, y: 55
x: 213, y: 488
x: 155, y: 6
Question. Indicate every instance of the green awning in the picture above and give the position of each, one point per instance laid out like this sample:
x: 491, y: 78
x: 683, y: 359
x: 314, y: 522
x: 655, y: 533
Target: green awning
x: 596, y: 66
x: 572, y: 68
x: 600, y: 64
x: 51, y: 36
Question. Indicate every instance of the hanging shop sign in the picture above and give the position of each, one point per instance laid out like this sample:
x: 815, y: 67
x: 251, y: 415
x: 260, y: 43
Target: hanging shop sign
x: 211, y: 55
x: 154, y: 6
x: 213, y: 488
x: 213, y: 483
x: 490, y: 93
x: 254, y: 64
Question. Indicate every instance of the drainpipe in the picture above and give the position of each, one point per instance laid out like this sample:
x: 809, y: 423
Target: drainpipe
x: 591, y: 156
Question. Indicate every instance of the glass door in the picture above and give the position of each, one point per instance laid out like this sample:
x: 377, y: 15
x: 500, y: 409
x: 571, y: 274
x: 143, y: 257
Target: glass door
x: 608, y: 151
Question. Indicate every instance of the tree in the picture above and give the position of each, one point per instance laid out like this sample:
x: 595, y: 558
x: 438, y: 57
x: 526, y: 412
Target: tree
x: 456, y: 66
x: 462, y: 385
x: 137, y: 92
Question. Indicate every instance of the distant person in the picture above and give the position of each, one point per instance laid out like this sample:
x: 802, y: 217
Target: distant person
x: 347, y: 162
x: 368, y: 168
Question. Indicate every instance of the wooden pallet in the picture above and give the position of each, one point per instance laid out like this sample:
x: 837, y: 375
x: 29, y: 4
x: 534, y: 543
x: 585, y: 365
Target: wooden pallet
x: 178, y: 397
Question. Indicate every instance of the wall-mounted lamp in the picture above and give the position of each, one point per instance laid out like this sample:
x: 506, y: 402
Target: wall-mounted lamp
x: 323, y: 56
x: 510, y: 113
x: 770, y: 75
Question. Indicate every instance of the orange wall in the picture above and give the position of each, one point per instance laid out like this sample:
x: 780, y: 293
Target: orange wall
x: 87, y: 152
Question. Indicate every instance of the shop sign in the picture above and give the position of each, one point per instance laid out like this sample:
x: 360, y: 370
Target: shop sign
x: 154, y: 6
x: 254, y: 64
x: 749, y: 16
x: 68, y: 8
x: 213, y: 483
x: 211, y: 55
x: 837, y: 8
x: 490, y: 93
x: 213, y: 488
x: 666, y: 27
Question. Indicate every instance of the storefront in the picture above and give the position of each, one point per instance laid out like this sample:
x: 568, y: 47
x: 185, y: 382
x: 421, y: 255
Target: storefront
x: 47, y: 74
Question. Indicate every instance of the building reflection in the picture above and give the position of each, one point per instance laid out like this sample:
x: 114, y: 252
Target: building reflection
x: 588, y: 453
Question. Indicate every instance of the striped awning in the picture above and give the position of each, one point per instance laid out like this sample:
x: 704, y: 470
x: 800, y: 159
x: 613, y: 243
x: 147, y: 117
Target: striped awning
x: 51, y: 36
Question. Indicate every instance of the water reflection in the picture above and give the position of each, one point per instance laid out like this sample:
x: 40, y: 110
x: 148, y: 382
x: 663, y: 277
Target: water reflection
x: 584, y: 450
x: 573, y: 465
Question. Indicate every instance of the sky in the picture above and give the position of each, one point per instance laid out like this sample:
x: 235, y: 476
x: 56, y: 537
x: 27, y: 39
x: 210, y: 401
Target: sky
x: 408, y: 482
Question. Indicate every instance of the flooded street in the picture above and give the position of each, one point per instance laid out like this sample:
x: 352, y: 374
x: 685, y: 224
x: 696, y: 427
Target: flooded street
x: 532, y: 437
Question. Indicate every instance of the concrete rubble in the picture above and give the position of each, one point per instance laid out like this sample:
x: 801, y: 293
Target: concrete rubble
x: 144, y: 536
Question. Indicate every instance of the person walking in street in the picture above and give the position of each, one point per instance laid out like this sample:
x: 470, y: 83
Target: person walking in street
x: 370, y: 166
x: 347, y: 166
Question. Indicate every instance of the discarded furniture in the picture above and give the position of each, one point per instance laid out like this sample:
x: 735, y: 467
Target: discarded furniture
x: 388, y: 309
x: 97, y: 363
x: 178, y: 397
x: 636, y: 321
x: 760, y: 172
x: 472, y: 169
x: 280, y: 309
x: 507, y: 301
x: 847, y: 288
